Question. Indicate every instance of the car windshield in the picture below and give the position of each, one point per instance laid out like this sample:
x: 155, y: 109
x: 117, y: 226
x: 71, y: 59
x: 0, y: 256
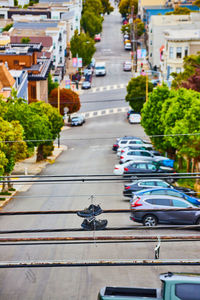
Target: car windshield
x: 100, y: 68
x: 75, y: 118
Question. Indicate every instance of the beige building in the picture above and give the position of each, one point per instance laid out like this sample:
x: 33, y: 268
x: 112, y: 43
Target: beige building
x: 144, y: 3
x: 178, y: 44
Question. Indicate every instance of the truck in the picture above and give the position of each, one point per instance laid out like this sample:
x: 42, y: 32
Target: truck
x: 100, y: 69
x: 175, y: 286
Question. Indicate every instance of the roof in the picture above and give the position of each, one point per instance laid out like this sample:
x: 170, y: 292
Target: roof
x: 180, y: 277
x: 183, y: 35
x: 6, y: 78
x: 35, y: 25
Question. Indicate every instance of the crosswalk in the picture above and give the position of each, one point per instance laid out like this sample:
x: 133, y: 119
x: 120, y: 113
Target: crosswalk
x: 104, y: 88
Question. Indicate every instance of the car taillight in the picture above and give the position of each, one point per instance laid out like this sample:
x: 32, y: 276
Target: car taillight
x: 126, y: 169
x: 136, y: 203
x: 116, y: 168
x: 127, y: 187
x: 122, y: 151
x: 121, y: 157
x: 115, y: 145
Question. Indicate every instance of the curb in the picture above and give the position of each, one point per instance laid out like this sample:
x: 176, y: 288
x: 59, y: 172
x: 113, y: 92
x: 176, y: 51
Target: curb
x: 42, y: 164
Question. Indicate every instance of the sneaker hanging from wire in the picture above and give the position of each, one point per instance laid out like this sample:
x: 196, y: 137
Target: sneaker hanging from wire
x: 92, y: 210
x: 94, y: 224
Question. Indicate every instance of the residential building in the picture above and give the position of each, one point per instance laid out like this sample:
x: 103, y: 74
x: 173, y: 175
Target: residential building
x: 21, y: 83
x: 178, y: 44
x: 51, y: 34
x: 6, y: 2
x: 156, y: 32
x: 24, y: 57
x: 7, y: 82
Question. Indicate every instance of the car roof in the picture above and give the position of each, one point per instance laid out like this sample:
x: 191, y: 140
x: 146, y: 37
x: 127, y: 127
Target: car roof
x: 157, y: 180
x: 145, y: 197
x: 158, y: 189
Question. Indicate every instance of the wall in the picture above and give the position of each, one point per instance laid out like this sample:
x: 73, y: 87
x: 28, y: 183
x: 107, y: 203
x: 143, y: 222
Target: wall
x: 24, y: 60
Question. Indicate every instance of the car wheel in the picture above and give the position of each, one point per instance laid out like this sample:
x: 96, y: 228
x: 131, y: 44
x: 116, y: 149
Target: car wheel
x: 150, y: 220
x: 198, y: 221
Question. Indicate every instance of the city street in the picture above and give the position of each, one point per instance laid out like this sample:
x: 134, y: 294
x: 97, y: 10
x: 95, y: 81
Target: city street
x: 89, y: 152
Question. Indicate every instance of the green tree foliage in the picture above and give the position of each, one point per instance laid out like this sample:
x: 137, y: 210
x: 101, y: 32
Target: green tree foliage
x: 25, y: 40
x: 126, y: 5
x: 91, y: 23
x: 94, y: 6
x: 191, y: 63
x: 83, y: 46
x: 197, y: 3
x: 36, y: 127
x: 55, y: 123
x: 138, y: 27
x: 179, y: 11
x: 107, y: 8
x: 68, y: 99
x: 183, y: 110
x: 3, y: 162
x: 7, y: 27
x: 151, y: 117
x: 51, y: 84
x: 136, y: 92
x: 12, y: 145
x: 126, y: 28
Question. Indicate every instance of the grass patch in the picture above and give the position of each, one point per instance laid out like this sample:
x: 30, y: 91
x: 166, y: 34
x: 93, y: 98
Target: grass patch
x: 2, y: 199
x: 12, y: 189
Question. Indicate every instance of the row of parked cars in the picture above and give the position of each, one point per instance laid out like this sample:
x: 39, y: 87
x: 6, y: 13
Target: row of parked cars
x: 152, y: 185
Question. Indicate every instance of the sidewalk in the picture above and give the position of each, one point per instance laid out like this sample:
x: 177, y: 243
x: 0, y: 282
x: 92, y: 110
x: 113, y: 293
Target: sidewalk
x: 29, y: 166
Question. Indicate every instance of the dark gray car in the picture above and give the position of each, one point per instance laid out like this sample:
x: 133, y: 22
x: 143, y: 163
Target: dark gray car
x: 152, y: 218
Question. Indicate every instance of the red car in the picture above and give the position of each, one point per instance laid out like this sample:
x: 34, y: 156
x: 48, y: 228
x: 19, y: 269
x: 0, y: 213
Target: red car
x: 97, y: 37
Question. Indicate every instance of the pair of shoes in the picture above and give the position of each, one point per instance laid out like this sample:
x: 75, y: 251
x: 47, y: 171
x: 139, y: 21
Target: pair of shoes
x: 92, y: 210
x: 94, y: 224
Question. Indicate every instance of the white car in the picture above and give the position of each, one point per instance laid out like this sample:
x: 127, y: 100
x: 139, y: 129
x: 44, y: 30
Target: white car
x: 140, y: 155
x: 119, y: 169
x: 123, y: 150
x: 134, y: 118
x: 127, y: 46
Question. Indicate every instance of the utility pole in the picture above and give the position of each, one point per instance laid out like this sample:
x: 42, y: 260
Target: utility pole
x: 147, y: 86
x: 59, y: 113
x: 135, y: 43
x: 132, y: 39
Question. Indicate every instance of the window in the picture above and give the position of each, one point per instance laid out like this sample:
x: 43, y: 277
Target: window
x: 178, y: 70
x: 141, y: 166
x: 60, y: 49
x: 54, y: 46
x: 54, y: 58
x: 158, y: 192
x: 16, y: 62
x: 151, y: 167
x: 178, y: 52
x: 171, y: 52
x: 162, y: 183
x: 138, y: 142
x: 132, y: 142
x: 145, y: 154
x: 174, y: 193
x: 123, y: 142
x: 60, y: 60
x: 150, y: 42
x: 147, y: 183
x: 163, y: 202
x: 179, y: 203
x: 150, y: 201
x: 186, y: 51
x: 187, y: 291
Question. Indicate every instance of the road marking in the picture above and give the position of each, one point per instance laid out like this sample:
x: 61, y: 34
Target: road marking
x: 98, y: 113
x: 104, y: 88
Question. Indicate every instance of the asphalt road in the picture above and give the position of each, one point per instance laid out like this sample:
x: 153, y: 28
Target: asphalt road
x: 89, y: 152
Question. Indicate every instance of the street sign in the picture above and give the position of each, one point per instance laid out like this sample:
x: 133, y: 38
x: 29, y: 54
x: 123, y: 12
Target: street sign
x: 80, y: 62
x: 74, y: 62
x: 68, y: 84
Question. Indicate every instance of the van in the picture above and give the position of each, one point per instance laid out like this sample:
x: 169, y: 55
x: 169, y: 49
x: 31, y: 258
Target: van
x: 100, y: 69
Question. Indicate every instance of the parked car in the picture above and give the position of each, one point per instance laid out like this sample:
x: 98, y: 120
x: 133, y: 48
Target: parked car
x: 77, y: 120
x: 134, y: 118
x: 179, y: 286
x: 145, y: 167
x: 116, y: 145
x: 127, y: 46
x: 130, y: 111
x: 152, y: 218
x: 97, y: 37
x: 141, y: 155
x: 119, y: 169
x: 127, y: 66
x: 87, y: 72
x: 86, y: 85
x: 155, y: 82
x: 165, y: 191
x: 122, y: 150
x: 141, y: 184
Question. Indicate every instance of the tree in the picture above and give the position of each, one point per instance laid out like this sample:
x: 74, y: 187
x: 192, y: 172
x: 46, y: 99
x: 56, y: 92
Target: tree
x: 179, y: 11
x: 82, y: 46
x: 91, y: 23
x: 51, y: 84
x: 136, y: 92
x: 191, y: 64
x: 12, y: 145
x: 36, y: 127
x: 7, y: 27
x: 182, y: 110
x: 25, y: 40
x: 193, y: 82
x: 94, y: 6
x: 126, y: 5
x: 68, y: 99
x: 197, y: 3
x: 151, y: 119
x: 55, y: 123
x: 107, y: 8
x: 126, y: 28
x: 138, y: 27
